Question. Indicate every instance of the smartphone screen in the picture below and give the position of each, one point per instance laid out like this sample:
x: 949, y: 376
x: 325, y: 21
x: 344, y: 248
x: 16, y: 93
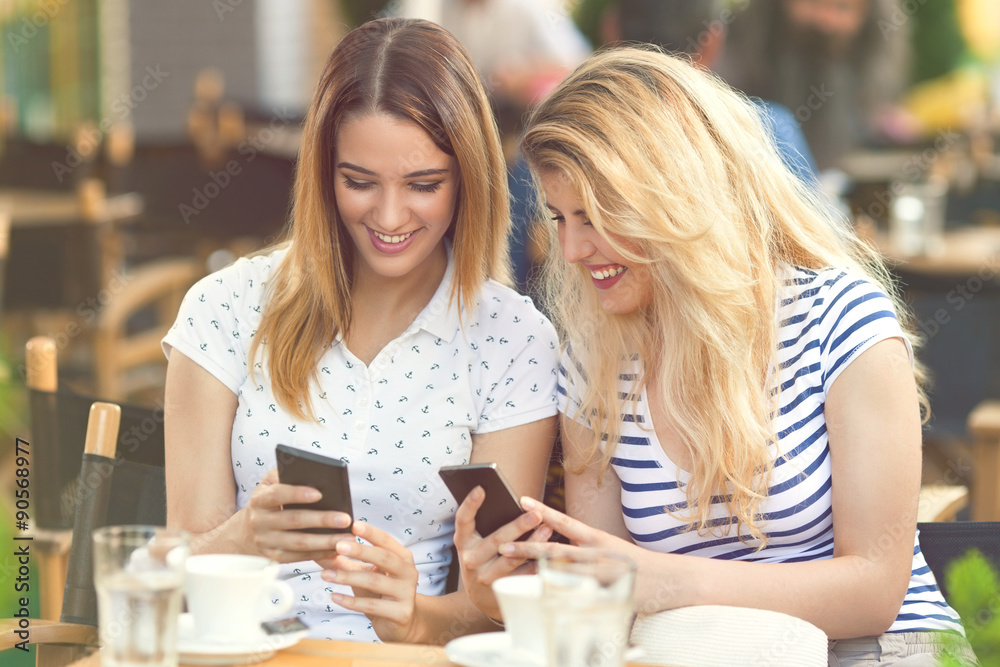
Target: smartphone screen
x: 499, y: 508
x: 327, y: 475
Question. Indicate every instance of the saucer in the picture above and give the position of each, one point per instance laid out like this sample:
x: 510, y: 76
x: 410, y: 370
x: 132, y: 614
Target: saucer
x: 493, y: 649
x: 489, y: 649
x: 196, y: 651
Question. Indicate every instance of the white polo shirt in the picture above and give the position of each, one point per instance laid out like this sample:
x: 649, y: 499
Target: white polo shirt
x: 395, y: 422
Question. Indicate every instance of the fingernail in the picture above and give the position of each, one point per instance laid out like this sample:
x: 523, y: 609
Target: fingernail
x: 338, y: 598
x: 545, y: 532
x: 506, y: 549
x: 359, y: 528
x: 328, y: 575
x: 477, y: 493
x: 344, y: 547
x: 341, y: 521
x: 312, y: 495
x: 527, y: 504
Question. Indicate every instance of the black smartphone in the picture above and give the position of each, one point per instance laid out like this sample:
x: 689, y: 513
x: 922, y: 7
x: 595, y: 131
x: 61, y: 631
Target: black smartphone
x: 327, y: 475
x: 501, y: 505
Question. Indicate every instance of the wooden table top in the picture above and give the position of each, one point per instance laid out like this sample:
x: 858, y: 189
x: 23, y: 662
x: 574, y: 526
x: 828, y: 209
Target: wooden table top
x: 326, y: 653
x: 966, y: 251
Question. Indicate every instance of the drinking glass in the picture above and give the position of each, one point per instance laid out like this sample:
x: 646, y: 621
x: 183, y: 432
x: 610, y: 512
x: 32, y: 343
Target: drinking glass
x: 138, y: 574
x: 589, y: 606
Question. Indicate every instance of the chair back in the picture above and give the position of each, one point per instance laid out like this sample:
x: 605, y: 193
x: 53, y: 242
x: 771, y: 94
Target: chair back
x: 110, y: 491
x: 944, y: 542
x: 59, y: 418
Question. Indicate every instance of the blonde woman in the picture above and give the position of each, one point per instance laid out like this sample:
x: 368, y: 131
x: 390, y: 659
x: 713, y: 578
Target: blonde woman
x: 741, y: 411
x: 383, y: 334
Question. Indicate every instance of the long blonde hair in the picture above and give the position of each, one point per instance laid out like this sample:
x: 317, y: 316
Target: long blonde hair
x: 666, y: 156
x: 417, y: 72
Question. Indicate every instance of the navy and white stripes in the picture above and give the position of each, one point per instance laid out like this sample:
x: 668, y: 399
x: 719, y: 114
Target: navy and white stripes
x: 826, y: 319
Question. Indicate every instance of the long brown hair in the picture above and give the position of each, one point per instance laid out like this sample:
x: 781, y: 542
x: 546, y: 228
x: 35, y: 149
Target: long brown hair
x: 413, y: 71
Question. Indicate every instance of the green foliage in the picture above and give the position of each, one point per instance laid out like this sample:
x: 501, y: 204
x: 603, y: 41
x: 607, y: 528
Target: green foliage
x: 974, y: 592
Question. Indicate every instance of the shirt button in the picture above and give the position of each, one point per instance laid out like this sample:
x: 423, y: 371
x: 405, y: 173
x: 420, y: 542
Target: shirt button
x: 359, y: 425
x: 363, y: 401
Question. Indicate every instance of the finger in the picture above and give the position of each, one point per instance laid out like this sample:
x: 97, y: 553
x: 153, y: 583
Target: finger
x: 380, y: 538
x: 522, y: 551
x: 273, y: 496
x: 271, y: 477
x: 391, y: 563
x: 293, y: 520
x: 465, y: 517
x: 371, y: 606
x: 515, y: 529
x: 339, y: 562
x: 369, y: 582
x: 576, y: 531
x: 287, y: 547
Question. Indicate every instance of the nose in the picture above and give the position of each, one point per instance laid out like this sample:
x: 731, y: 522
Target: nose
x: 391, y: 211
x: 575, y: 241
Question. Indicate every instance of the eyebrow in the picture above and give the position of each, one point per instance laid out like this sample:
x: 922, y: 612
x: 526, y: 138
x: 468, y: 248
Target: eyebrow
x: 555, y: 210
x: 412, y: 174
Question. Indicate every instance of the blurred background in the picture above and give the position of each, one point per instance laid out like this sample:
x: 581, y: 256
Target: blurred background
x: 144, y: 144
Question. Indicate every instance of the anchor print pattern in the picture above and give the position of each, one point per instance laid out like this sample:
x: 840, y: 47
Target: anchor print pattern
x: 396, y: 421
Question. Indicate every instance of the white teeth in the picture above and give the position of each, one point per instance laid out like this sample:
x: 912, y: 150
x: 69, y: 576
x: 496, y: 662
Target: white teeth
x: 604, y: 274
x: 392, y: 239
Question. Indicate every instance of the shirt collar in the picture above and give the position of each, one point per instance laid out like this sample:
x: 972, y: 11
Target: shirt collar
x: 440, y: 317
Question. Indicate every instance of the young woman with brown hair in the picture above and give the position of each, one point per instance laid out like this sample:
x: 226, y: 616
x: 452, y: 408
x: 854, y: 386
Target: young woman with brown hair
x: 382, y: 334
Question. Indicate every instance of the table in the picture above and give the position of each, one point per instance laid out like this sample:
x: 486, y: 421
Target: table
x: 325, y: 653
x: 967, y: 251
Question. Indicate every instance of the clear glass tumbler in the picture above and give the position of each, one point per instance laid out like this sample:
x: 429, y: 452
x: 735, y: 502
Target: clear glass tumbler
x: 139, y: 574
x: 589, y: 606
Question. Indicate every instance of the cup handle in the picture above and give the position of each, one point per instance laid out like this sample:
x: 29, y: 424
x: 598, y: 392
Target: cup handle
x: 283, y: 592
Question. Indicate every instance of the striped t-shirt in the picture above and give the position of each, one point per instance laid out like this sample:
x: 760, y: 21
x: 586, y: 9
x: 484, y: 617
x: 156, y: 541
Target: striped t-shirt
x: 827, y: 318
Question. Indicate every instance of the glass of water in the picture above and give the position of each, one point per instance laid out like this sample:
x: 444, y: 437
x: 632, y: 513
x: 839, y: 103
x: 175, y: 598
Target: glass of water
x: 139, y: 574
x: 589, y: 602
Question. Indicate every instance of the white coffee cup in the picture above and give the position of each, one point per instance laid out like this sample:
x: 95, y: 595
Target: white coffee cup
x: 230, y: 595
x: 520, y: 600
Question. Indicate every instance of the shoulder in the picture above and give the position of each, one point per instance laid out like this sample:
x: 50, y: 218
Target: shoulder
x: 827, y: 288
x: 501, y: 308
x: 245, y: 277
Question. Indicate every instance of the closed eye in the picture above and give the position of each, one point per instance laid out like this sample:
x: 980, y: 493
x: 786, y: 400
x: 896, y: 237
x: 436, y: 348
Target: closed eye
x: 352, y: 184
x: 426, y: 187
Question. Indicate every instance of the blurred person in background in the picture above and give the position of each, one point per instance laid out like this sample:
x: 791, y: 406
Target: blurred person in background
x: 839, y: 65
x: 522, y: 48
x: 694, y: 27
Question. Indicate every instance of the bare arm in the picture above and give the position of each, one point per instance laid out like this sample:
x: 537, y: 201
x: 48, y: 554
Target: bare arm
x: 874, y: 433
x: 201, y: 489
x: 385, y: 588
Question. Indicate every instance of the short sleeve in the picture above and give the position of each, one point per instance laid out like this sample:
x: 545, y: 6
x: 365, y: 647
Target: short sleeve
x: 859, y: 314
x: 218, y: 319
x: 522, y: 355
x: 571, y: 387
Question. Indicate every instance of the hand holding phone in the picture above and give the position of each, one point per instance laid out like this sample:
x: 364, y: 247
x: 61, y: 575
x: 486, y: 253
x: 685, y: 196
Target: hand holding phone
x: 329, y: 476
x: 501, y: 505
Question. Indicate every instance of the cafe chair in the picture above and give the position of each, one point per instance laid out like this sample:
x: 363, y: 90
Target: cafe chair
x: 984, y: 426
x: 111, y: 490
x: 943, y: 543
x: 724, y: 636
x: 59, y: 419
x: 127, y: 359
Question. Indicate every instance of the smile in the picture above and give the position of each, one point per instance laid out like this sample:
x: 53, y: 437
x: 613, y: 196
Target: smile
x: 392, y: 239
x: 604, y: 274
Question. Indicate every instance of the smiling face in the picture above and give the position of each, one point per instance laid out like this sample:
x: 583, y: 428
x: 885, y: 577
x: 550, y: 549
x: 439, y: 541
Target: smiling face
x: 396, y: 194
x: 622, y: 287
